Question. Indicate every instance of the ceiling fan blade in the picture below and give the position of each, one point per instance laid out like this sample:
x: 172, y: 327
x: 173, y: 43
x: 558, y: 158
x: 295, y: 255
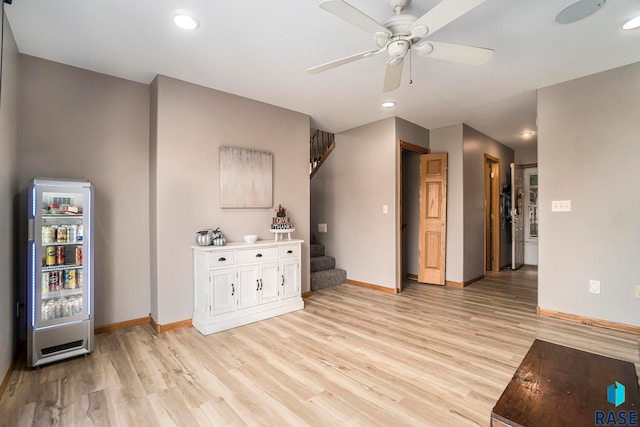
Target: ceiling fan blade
x: 441, y: 14
x: 333, y: 64
x: 393, y: 75
x: 454, y: 52
x: 354, y: 16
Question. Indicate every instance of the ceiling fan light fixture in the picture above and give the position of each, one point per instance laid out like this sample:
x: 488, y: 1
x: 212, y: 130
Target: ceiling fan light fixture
x: 388, y: 104
x: 579, y: 10
x: 632, y: 23
x: 185, y: 22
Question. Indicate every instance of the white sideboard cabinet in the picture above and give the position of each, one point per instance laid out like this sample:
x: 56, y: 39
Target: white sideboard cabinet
x: 242, y: 283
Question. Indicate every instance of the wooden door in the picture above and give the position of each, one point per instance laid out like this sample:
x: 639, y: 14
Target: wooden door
x: 517, y: 219
x: 433, y: 218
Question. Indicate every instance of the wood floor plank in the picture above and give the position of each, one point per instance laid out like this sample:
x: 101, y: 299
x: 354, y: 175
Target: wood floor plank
x: 431, y: 355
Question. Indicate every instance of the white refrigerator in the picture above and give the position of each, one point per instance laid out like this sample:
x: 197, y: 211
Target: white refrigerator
x: 59, y: 270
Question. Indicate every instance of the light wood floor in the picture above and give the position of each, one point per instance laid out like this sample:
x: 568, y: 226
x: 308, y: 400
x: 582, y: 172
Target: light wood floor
x: 429, y: 356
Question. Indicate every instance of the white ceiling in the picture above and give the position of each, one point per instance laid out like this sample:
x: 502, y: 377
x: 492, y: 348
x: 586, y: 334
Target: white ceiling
x: 260, y: 49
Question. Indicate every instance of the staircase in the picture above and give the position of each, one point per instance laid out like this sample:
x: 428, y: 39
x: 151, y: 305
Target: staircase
x: 324, y: 273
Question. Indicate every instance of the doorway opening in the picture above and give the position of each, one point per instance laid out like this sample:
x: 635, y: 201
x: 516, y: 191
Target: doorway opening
x: 492, y: 212
x: 408, y: 211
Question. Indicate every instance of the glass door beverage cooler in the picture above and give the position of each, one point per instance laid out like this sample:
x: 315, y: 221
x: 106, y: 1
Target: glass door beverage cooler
x: 59, y: 270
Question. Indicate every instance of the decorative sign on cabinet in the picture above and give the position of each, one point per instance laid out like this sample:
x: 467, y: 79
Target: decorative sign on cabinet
x: 242, y: 283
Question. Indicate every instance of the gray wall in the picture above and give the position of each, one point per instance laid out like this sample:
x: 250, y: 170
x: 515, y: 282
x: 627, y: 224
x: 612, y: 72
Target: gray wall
x: 80, y: 124
x: 348, y: 193
x: 8, y: 188
x: 192, y: 123
x: 476, y: 145
x: 526, y: 154
x: 588, y: 153
x: 449, y: 140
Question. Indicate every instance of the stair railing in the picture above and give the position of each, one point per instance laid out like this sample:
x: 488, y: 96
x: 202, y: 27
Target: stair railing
x: 321, y: 145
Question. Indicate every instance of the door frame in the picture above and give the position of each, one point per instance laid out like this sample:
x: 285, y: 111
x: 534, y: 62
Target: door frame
x: 402, y: 145
x: 491, y: 213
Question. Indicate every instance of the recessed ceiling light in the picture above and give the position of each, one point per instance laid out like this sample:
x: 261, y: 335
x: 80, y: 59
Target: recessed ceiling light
x: 632, y: 24
x: 186, y: 22
x: 526, y: 133
x: 388, y: 104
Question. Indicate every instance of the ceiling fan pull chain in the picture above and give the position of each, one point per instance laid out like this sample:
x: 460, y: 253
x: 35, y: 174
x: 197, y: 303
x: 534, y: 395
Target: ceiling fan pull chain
x: 410, y: 66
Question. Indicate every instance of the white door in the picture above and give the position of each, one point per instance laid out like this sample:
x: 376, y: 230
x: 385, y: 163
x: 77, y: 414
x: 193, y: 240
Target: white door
x: 248, y: 279
x: 517, y: 216
x: 269, y: 283
x: 222, y: 291
x: 290, y: 278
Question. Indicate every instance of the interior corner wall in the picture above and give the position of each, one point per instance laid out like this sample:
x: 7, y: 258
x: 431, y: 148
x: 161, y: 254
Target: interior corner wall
x: 192, y: 123
x: 79, y: 124
x: 588, y: 153
x: 153, y: 200
x: 449, y: 140
x: 349, y: 191
x: 475, y: 146
x: 8, y: 190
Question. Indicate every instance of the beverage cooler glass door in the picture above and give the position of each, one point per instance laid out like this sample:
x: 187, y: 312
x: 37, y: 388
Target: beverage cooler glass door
x: 60, y: 254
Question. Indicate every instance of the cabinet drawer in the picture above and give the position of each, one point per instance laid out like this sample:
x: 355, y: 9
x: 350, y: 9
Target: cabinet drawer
x: 252, y: 256
x: 220, y: 259
x: 290, y: 251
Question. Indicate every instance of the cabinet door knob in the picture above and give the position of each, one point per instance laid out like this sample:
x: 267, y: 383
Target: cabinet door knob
x: 289, y: 251
x: 258, y: 255
x: 222, y: 259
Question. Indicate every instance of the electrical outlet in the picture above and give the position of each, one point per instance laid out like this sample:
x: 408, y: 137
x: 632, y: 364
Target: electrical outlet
x: 637, y: 291
x: 594, y: 286
x: 322, y: 228
x: 561, y: 206
x: 385, y: 209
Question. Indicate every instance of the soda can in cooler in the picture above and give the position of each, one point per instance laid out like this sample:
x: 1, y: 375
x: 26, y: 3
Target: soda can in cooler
x: 72, y: 233
x: 45, y: 282
x: 71, y: 278
x: 50, y: 308
x: 64, y: 279
x: 60, y: 255
x: 80, y: 233
x: 48, y: 234
x: 79, y: 304
x: 51, y: 255
x: 78, y: 255
x: 67, y: 308
x: 79, y: 278
x: 54, y: 281
x: 59, y: 309
x: 61, y: 235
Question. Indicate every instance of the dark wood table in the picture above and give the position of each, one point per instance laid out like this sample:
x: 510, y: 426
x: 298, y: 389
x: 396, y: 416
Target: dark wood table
x: 561, y: 386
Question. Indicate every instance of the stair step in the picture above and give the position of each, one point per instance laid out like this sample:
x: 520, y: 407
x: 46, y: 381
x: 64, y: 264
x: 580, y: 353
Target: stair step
x: 321, y: 263
x: 317, y: 249
x: 327, y: 278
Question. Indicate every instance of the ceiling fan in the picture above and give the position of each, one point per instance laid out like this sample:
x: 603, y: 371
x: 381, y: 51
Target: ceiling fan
x: 403, y: 32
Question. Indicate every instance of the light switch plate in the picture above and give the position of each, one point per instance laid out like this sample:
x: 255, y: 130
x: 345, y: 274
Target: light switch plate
x: 322, y: 228
x: 561, y: 206
x: 637, y: 291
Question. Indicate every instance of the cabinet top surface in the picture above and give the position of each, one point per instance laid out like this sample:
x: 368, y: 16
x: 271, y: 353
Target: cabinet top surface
x: 243, y: 245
